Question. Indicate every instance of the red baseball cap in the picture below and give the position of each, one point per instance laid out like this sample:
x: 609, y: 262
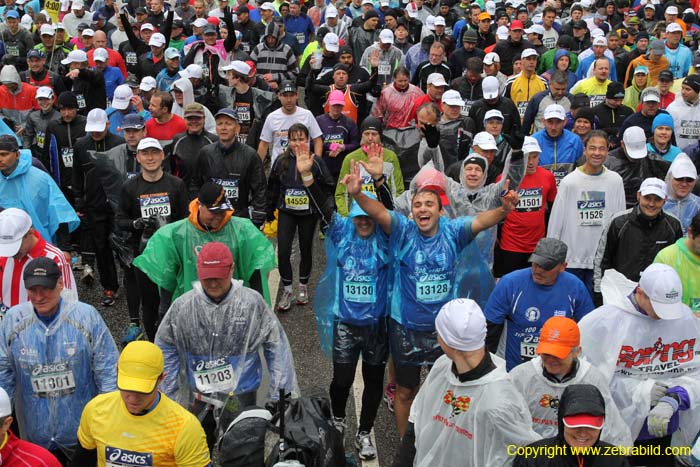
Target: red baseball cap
x: 584, y: 420
x: 516, y: 24
x: 214, y: 261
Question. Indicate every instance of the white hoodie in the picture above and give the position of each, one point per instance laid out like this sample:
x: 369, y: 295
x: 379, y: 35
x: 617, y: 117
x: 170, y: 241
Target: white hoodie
x: 185, y: 85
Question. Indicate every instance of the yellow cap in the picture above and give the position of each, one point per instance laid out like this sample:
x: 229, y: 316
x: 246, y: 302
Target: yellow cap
x: 140, y: 365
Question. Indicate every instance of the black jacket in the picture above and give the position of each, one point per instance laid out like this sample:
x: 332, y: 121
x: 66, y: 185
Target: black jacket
x: 576, y: 399
x: 631, y: 241
x: 182, y: 154
x: 239, y: 169
x: 66, y: 135
x: 511, y: 117
x: 87, y: 188
x: 508, y: 50
x: 610, y: 120
x: 634, y: 171
x: 284, y: 177
x: 89, y: 86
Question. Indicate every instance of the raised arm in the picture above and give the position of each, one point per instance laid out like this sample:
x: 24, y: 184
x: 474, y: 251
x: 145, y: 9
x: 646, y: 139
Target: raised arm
x: 487, y: 219
x: 373, y: 208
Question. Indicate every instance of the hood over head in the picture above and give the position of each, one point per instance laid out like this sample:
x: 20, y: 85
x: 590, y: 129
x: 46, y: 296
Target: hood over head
x: 680, y: 165
x: 579, y: 399
x: 272, y: 29
x: 9, y: 74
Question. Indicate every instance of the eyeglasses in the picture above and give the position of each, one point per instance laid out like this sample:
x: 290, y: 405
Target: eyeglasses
x: 685, y: 180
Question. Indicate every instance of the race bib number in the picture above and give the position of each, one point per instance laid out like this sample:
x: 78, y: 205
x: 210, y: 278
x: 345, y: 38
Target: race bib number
x: 245, y: 46
x: 213, y: 376
x: 559, y: 175
x: 230, y: 187
x: 117, y: 457
x: 432, y: 291
x: 550, y: 42
x: 301, y: 37
x: 368, y: 184
x: 384, y: 68
x: 81, y: 101
x: 528, y: 350
x: 243, y: 111
x: 689, y: 129
x: 54, y: 379
x: 590, y: 213
x: 530, y: 200
x: 67, y: 157
x: 522, y: 107
x: 598, y: 99
x: 242, y: 137
x: 155, y: 205
x: 131, y: 58
x: 40, y: 136
x: 12, y: 50
x: 359, y: 292
x: 296, y: 199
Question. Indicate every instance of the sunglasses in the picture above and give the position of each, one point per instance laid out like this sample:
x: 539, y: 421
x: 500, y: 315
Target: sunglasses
x: 685, y: 180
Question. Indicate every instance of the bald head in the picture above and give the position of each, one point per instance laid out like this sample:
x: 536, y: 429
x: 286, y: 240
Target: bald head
x: 99, y: 40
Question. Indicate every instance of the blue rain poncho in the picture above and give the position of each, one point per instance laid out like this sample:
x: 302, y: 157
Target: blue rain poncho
x: 53, y: 371
x: 354, y: 287
x: 212, y: 349
x: 35, y: 192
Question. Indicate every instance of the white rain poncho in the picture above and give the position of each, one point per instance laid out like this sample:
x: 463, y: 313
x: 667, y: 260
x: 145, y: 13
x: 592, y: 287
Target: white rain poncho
x: 214, y: 349
x: 633, y: 351
x: 471, y: 421
x: 53, y: 371
x: 542, y: 396
x: 686, y: 208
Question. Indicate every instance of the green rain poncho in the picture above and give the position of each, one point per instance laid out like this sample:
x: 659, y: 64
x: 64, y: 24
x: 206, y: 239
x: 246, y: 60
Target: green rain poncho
x: 170, y: 258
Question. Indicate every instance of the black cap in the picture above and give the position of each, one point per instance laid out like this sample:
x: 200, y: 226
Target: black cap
x: 580, y: 24
x: 41, y: 271
x: 665, y: 75
x: 132, y: 81
x: 287, y: 86
x: 34, y: 53
x: 177, y: 23
x: 522, y: 9
x: 476, y: 159
x: 580, y: 100
x: 641, y: 35
x: 469, y: 36
x: 549, y: 252
x: 565, y: 42
x: 67, y: 100
x: 140, y: 11
x: 615, y: 90
x: 369, y: 15
x: 242, y: 9
x: 227, y: 112
x: 213, y: 197
x: 133, y: 121
x: 209, y: 29
x: 341, y: 66
x: 587, y: 113
x: 371, y: 123
x: 345, y: 50
x: 8, y: 143
x: 693, y: 81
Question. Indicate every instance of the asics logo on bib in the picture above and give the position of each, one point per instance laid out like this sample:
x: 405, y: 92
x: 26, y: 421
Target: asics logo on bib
x: 530, y: 191
x: 155, y: 200
x: 205, y: 365
x: 358, y: 278
x: 122, y: 457
x: 52, y: 368
x: 592, y: 204
x: 432, y: 277
x: 650, y: 359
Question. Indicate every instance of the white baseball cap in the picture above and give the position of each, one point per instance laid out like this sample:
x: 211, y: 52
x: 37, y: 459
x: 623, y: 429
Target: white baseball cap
x: 485, y: 141
x: 331, y: 12
x: 554, y: 111
x: 600, y: 41
x: 386, y: 36
x: 240, y: 67
x: 194, y: 71
x: 97, y: 119
x: 683, y: 167
x: 149, y: 143
x: 430, y: 22
x: 493, y: 113
x: 673, y: 27
x: 198, y: 23
x: 461, y: 325
x: 672, y: 10
x: 490, y: 87
x: 535, y: 29
x: 528, y: 53
x: 452, y: 97
x: 412, y: 10
x: 157, y: 40
x: 331, y: 42
x: 44, y: 92
x: 530, y: 144
x: 148, y: 83
x: 440, y: 21
x: 436, y: 79
x: 367, y: 2
x: 77, y: 5
x: 635, y: 142
x: 653, y: 186
x: 87, y: 32
x: 47, y: 30
x: 100, y: 55
x: 14, y: 225
x: 491, y: 58
x: 664, y: 288
x: 75, y: 56
x: 597, y: 32
x: 122, y: 97
x: 267, y: 6
x: 149, y: 26
x: 502, y: 32
x: 649, y: 6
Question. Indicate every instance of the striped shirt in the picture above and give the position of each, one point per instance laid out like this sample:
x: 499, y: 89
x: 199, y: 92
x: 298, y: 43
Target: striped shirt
x: 11, y: 270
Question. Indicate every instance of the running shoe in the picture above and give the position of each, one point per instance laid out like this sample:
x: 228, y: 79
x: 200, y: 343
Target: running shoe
x: 133, y: 333
x: 285, y: 302
x: 365, y: 449
x: 389, y: 396
x: 339, y: 424
x: 303, y: 295
x: 108, y: 297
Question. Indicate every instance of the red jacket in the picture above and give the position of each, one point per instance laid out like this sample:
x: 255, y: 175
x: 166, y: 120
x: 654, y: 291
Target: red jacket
x: 19, y: 453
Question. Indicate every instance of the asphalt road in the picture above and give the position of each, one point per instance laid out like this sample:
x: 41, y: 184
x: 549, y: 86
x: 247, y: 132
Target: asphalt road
x: 314, y: 371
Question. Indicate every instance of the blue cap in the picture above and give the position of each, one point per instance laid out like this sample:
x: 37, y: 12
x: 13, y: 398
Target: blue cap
x: 12, y: 14
x: 662, y: 120
x: 96, y: 16
x: 133, y: 121
x: 641, y: 69
x: 356, y: 210
x: 227, y: 112
x: 34, y: 53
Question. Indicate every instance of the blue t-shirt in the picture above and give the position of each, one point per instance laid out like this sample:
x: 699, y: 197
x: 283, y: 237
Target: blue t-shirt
x: 362, y: 281
x: 424, y: 273
x: 526, y: 306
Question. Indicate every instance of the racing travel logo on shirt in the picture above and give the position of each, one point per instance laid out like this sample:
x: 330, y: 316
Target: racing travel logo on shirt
x: 658, y: 359
x: 459, y: 404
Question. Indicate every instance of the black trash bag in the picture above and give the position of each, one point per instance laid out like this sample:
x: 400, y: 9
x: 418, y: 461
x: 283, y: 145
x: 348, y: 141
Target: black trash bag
x: 243, y: 442
x: 309, y: 435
